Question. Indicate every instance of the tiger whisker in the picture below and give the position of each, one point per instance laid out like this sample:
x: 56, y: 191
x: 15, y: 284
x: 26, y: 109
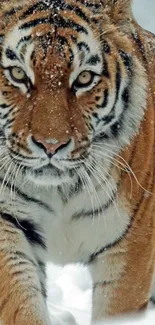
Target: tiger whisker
x: 4, y: 183
x: 86, y: 186
x: 14, y: 172
x: 91, y: 170
x: 92, y: 189
x: 117, y: 164
x: 132, y: 173
x: 101, y: 178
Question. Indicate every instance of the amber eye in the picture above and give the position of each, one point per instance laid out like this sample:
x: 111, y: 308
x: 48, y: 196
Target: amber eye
x: 84, y: 79
x: 17, y: 74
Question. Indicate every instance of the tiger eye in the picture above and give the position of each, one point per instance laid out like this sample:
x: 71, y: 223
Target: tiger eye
x: 84, y: 78
x: 17, y: 74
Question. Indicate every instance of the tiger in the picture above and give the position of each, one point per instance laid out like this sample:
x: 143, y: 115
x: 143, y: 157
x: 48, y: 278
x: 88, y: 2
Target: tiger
x: 77, y: 162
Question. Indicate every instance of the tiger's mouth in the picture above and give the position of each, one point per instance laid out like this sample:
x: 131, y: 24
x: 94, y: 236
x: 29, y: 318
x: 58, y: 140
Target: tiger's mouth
x: 48, y: 170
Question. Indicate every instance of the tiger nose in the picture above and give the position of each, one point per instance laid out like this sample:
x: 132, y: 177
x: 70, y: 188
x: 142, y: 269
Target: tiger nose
x: 49, y: 147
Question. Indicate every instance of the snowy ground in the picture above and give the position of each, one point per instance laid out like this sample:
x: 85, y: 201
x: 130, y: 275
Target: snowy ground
x: 70, y: 287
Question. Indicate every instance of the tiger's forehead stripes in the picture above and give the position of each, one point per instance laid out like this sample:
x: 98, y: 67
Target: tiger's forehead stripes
x: 29, y: 16
x: 19, y: 44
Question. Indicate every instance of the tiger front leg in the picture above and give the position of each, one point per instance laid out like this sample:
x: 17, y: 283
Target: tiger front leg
x: 21, y: 298
x: 122, y: 281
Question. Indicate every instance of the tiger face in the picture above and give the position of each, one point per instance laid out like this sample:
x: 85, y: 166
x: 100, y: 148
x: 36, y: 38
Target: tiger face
x: 70, y: 86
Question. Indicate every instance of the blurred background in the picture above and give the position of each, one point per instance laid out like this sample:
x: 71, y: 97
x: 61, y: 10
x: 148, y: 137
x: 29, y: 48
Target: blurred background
x: 144, y: 11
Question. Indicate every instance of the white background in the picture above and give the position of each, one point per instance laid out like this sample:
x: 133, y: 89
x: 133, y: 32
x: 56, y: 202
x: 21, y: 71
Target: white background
x: 144, y: 11
x: 70, y: 288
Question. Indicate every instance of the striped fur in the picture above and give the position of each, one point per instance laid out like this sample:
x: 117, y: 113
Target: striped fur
x: 76, y: 160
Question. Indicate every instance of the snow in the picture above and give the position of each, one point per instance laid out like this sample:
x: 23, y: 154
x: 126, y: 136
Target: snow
x: 69, y: 288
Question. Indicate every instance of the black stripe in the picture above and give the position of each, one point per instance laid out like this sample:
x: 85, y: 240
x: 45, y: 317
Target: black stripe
x: 8, y: 123
x: 78, y: 12
x: 105, y: 248
x: 118, y: 82
x: 105, y: 99
x: 107, y: 119
x: 40, y: 6
x: 96, y: 212
x: 58, y: 22
x: 4, y: 106
x: 127, y: 59
x: 83, y: 45
x: 43, y: 290
x: 24, y: 256
x: 2, y: 133
x: 45, y: 42
x: 116, y: 128
x: 152, y: 299
x: 34, y: 23
x: 126, y: 96
x: 62, y: 23
x: 73, y: 190
x: 96, y: 116
x: 17, y: 256
x: 24, y: 39
x: 32, y: 199
x: 42, y: 267
x: 1, y: 38
x: 101, y: 137
x: 31, y: 230
x: 105, y: 46
x: 10, y: 54
x: 57, y: 4
x: 28, y: 198
x: 93, y: 60
x: 140, y: 46
x: 14, y: 136
x: 63, y: 41
x: 89, y: 4
x: 12, y: 11
x: 5, y: 116
x: 105, y: 71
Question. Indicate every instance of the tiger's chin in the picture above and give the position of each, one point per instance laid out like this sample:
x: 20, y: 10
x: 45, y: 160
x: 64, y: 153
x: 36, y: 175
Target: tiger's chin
x: 45, y: 177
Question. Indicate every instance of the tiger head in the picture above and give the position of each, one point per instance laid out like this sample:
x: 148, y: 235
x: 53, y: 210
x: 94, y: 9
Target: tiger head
x: 71, y: 87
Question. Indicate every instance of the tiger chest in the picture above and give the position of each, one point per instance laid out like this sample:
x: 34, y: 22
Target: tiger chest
x: 73, y: 235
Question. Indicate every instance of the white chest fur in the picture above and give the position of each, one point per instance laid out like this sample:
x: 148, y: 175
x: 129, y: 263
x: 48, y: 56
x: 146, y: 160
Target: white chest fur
x: 73, y: 237
x: 73, y: 229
